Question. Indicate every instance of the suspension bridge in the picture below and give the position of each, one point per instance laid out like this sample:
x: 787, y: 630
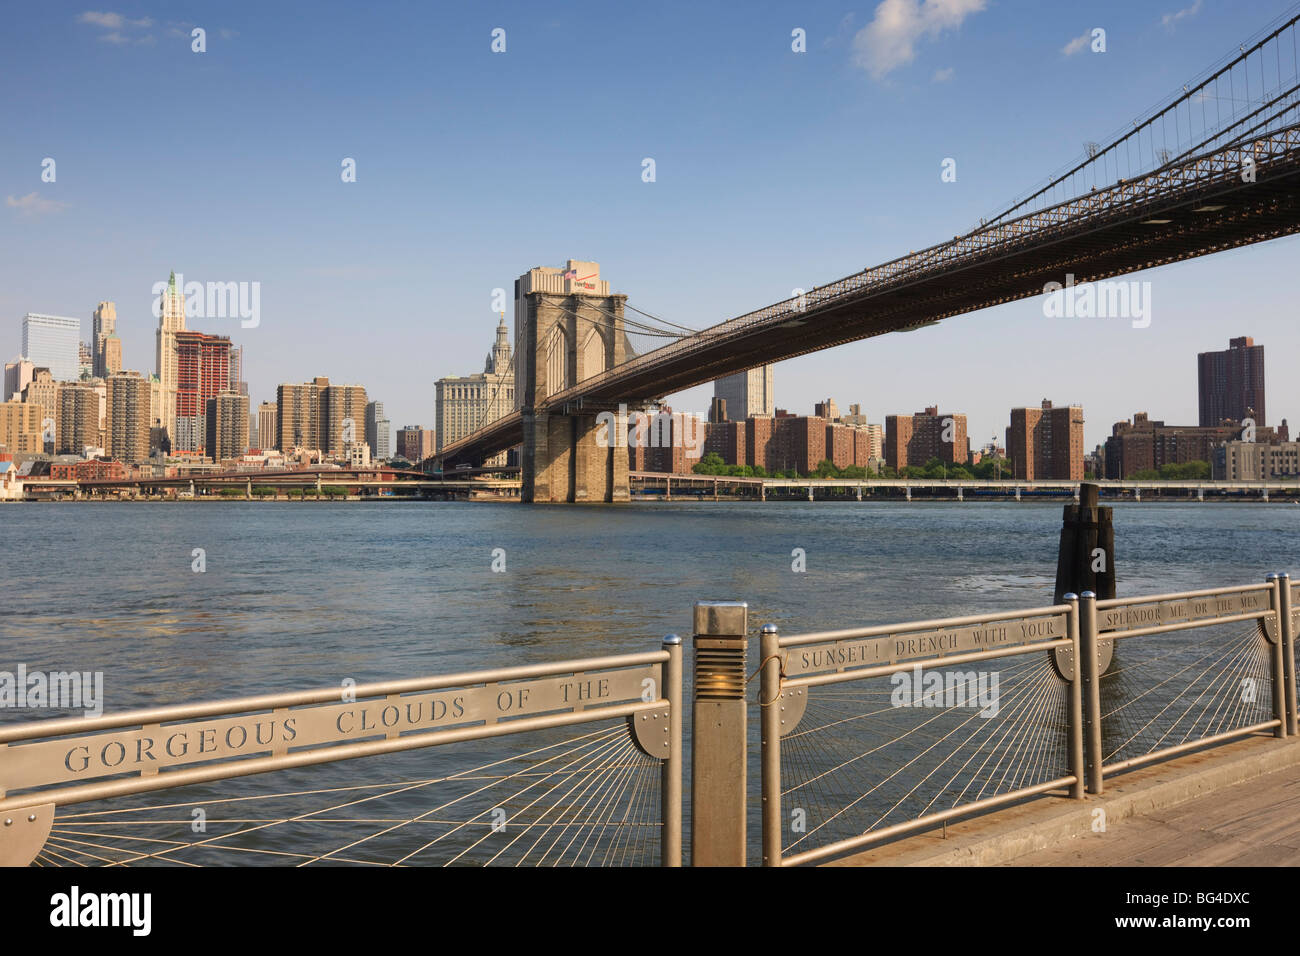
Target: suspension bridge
x: 1215, y: 167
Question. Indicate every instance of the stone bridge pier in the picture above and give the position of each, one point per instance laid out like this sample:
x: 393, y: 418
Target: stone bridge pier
x: 568, y: 454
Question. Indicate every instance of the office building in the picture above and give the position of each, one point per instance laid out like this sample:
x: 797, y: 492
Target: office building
x: 1257, y: 461
x: 1231, y: 383
x: 378, y: 431
x: 17, y: 374
x: 53, y: 342
x: 466, y: 403
x: 749, y: 394
x: 171, y: 320
x: 106, y: 346
x: 267, y: 436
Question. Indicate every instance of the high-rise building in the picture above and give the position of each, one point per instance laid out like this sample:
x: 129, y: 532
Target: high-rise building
x: 318, y: 416
x: 126, y: 424
x: 77, y: 426
x: 748, y: 394
x: 171, y: 320
x: 20, y: 428
x: 298, y: 416
x: 1231, y: 383
x: 85, y: 361
x: 467, y: 403
x: 267, y: 436
x: 237, y: 385
x: 343, y: 418
x: 202, y: 373
x: 43, y: 390
x: 17, y: 374
x: 227, y: 426
x: 104, y: 328
x: 1046, y: 443
x: 53, y: 342
x: 378, y: 431
x: 918, y: 438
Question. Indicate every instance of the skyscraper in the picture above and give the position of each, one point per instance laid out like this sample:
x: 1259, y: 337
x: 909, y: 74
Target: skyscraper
x: 1231, y: 383
x: 378, y: 431
x: 748, y: 394
x: 467, y: 403
x: 17, y: 374
x: 53, y: 342
x: 227, y: 426
x: 171, y: 320
x: 126, y: 421
x: 267, y: 437
x: 104, y: 327
x: 202, y: 373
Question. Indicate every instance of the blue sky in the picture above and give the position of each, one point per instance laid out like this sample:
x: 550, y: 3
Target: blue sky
x: 774, y: 169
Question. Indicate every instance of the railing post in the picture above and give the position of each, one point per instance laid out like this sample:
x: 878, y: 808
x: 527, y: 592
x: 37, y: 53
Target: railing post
x: 670, y: 852
x: 718, y: 735
x: 1077, y: 766
x: 1288, y: 653
x: 1278, y: 658
x: 1088, y: 665
x: 770, y: 703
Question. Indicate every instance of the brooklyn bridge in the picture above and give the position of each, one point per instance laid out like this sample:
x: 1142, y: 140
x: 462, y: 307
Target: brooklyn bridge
x: 1214, y: 168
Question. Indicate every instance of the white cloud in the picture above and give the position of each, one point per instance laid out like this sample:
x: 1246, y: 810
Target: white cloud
x: 942, y: 76
x: 33, y: 204
x: 1169, y: 19
x: 1078, y: 43
x: 889, y: 40
x: 118, y: 26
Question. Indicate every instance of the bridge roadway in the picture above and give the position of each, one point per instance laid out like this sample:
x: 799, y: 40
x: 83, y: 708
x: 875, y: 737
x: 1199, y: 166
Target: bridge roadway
x: 1190, y: 207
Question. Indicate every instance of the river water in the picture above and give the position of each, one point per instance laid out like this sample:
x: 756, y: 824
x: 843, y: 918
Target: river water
x: 301, y: 595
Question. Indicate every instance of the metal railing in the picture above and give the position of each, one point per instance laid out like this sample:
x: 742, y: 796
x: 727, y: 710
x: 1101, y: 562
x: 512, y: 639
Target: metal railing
x: 847, y: 764
x: 573, y: 798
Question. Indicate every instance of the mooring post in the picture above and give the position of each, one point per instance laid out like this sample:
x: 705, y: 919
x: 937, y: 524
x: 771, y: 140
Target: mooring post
x: 1077, y: 766
x: 718, y: 734
x: 1288, y: 652
x: 1087, y: 664
x: 1278, y: 669
x: 770, y: 701
x: 670, y: 853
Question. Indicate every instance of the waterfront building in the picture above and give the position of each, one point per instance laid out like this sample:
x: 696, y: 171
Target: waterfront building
x: 378, y: 431
x: 1146, y: 445
x: 464, y: 404
x: 1230, y: 383
x: 749, y: 394
x: 20, y: 428
x: 127, y: 428
x: 267, y: 436
x: 202, y: 373
x: 17, y: 374
x: 1257, y: 461
x: 171, y: 320
x: 53, y: 342
x: 918, y: 438
x: 1046, y: 443
x: 227, y: 426
x: 318, y: 416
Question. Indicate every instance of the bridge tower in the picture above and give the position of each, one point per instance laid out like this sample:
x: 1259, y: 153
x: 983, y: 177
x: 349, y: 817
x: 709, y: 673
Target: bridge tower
x: 567, y: 338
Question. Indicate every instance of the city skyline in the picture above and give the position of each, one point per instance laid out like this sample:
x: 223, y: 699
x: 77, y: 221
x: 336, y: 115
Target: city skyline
x: 415, y: 306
